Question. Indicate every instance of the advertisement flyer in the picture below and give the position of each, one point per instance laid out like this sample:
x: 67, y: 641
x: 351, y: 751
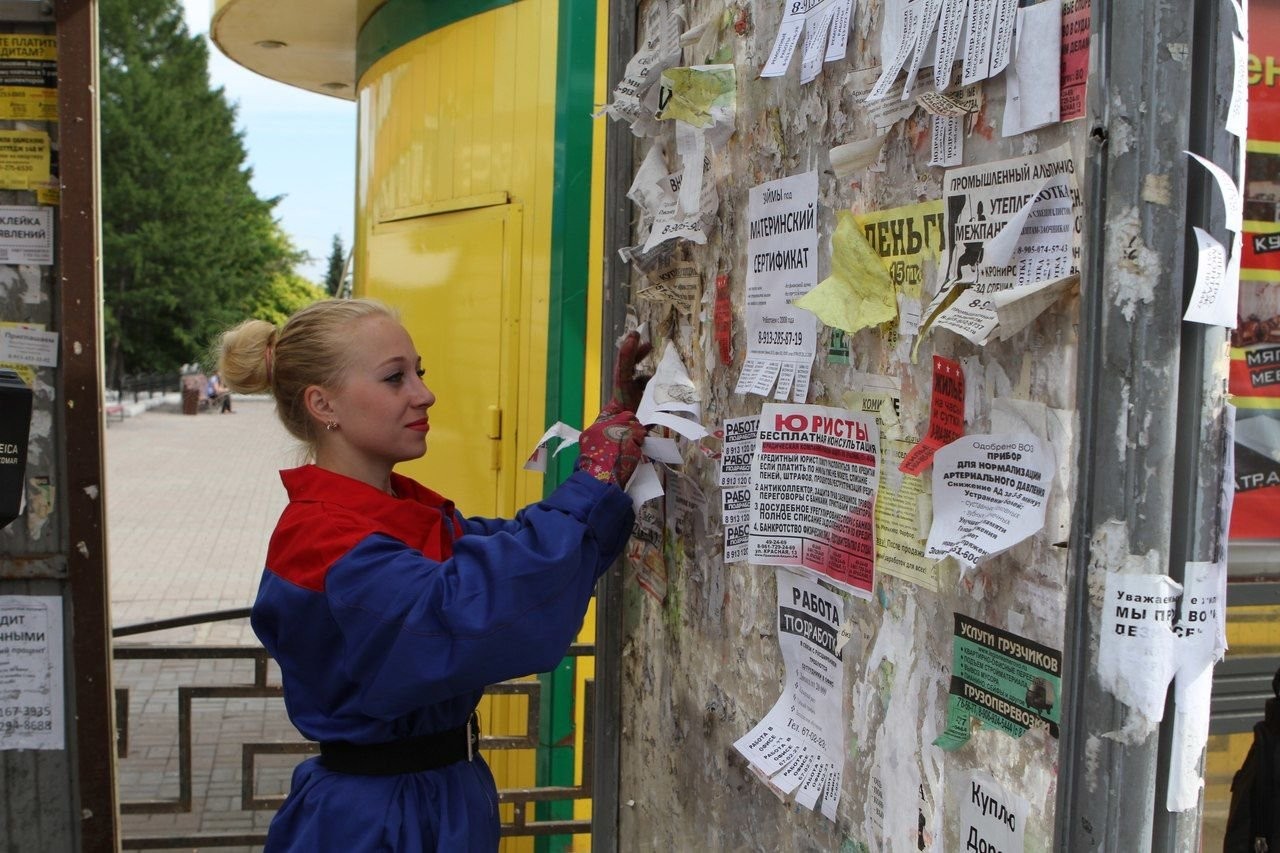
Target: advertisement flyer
x: 31, y: 677
x: 28, y: 77
x: 26, y: 235
x: 782, y: 265
x: 910, y: 240
x: 989, y: 494
x: 1255, y: 342
x: 798, y: 748
x: 946, y: 415
x: 899, y: 543
x: 991, y: 816
x: 814, y: 479
x: 735, y: 480
x: 1012, y: 225
x: 1008, y: 682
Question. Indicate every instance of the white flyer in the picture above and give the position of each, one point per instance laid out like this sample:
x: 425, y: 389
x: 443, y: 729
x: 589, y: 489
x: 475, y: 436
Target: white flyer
x: 32, y: 701
x: 1215, y: 298
x: 950, y: 27
x: 26, y: 235
x: 989, y: 493
x: 1012, y: 223
x: 991, y: 816
x: 735, y: 479
x: 798, y: 748
x: 1136, y: 645
x: 897, y: 42
x: 825, y: 25
x: 739, y: 449
x: 661, y: 50
x: 978, y: 40
x: 814, y: 480
x: 671, y: 222
x: 670, y: 398
x: 1033, y: 84
x: 782, y: 265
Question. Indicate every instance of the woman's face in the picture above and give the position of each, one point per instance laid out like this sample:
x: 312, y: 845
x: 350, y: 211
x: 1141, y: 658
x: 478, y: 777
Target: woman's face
x: 381, y: 405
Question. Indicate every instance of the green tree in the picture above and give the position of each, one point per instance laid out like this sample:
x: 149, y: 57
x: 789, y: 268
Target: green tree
x: 188, y: 247
x: 337, y: 266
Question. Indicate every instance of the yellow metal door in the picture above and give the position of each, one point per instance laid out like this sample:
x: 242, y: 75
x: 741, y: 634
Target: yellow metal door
x: 455, y: 279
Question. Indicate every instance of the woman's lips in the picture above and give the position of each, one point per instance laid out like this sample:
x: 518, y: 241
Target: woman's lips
x: 420, y: 426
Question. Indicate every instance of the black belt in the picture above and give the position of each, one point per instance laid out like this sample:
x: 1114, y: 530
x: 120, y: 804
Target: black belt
x: 411, y: 755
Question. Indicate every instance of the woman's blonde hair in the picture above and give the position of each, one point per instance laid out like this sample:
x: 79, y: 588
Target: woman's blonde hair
x: 312, y: 348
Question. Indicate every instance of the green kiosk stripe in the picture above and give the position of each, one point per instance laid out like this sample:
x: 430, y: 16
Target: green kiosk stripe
x: 398, y: 22
x: 570, y: 243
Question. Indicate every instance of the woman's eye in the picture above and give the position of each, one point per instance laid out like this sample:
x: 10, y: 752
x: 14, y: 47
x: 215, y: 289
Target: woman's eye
x: 421, y: 373
x: 398, y: 376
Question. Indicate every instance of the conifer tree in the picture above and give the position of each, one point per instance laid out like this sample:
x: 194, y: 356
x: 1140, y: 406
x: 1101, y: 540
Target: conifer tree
x: 337, y: 265
x: 188, y: 247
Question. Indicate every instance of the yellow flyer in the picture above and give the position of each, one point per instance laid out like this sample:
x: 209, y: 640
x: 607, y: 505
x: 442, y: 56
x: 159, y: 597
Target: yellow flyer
x: 24, y: 159
x: 28, y: 77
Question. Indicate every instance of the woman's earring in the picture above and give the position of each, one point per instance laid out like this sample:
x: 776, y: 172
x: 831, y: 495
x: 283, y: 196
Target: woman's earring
x: 330, y: 426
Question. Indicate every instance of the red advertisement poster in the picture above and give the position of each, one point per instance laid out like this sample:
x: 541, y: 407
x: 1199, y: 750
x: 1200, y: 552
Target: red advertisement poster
x: 1255, y: 343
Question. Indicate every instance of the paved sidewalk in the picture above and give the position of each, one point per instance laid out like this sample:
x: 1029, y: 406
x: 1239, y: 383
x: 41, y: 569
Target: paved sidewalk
x: 191, y: 502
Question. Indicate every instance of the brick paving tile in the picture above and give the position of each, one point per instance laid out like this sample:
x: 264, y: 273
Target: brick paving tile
x: 191, y: 502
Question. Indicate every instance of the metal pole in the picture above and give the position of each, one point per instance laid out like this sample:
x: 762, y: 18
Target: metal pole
x: 607, y: 736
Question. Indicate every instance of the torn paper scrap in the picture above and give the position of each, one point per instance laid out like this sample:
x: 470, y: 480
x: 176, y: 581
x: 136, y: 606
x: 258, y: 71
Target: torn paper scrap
x: 1231, y: 197
x: 1136, y: 645
x: 854, y: 156
x: 897, y: 42
x: 909, y: 241
x: 670, y: 398
x: 664, y: 450
x: 798, y: 747
x: 946, y: 141
x: 1214, y: 299
x: 671, y: 222
x: 1008, y: 682
x: 989, y: 493
x: 825, y: 26
x: 814, y: 480
x: 950, y: 27
x: 661, y: 50
x: 568, y: 436
x: 699, y: 95
x: 1202, y: 640
x: 946, y: 415
x: 886, y: 112
x: 859, y: 293
x: 644, y: 485
x: 1237, y: 122
x: 921, y: 55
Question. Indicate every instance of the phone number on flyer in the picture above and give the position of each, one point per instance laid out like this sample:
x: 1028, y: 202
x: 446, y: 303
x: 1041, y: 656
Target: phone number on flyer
x: 779, y: 338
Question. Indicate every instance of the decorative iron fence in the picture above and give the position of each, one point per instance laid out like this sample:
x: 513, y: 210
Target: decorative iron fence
x: 518, y: 818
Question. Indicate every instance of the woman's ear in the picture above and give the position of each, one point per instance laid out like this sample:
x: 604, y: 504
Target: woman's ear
x: 316, y: 399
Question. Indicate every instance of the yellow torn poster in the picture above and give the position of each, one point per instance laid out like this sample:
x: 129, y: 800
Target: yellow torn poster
x: 858, y: 293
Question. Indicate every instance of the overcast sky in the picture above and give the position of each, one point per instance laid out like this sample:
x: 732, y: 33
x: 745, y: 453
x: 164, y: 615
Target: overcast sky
x: 301, y: 146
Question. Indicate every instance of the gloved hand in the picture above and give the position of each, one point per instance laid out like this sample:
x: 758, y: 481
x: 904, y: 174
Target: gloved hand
x: 610, y: 449
x: 627, y: 387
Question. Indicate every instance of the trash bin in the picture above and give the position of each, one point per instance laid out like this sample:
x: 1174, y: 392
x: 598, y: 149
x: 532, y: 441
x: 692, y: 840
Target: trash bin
x: 190, y: 401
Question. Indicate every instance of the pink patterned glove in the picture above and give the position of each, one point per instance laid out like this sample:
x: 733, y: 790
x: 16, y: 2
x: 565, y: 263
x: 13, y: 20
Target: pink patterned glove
x: 610, y: 449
